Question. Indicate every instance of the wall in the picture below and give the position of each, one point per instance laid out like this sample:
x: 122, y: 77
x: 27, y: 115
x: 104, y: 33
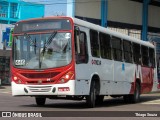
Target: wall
x: 119, y: 11
x: 87, y: 8
x: 3, y: 28
x: 125, y: 11
x: 154, y: 16
x: 19, y: 11
x: 31, y: 11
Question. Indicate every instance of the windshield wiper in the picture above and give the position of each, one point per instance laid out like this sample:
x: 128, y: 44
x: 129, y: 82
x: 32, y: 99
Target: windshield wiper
x: 32, y: 43
x: 30, y: 39
x: 50, y: 39
x: 46, y: 44
x: 35, y: 41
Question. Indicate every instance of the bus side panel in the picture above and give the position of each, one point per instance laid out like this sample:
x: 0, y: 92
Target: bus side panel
x: 106, y: 76
x: 156, y: 86
x: 119, y: 73
x: 129, y: 77
x: 124, y: 76
x: 82, y: 79
x: 147, y: 79
x: 85, y: 72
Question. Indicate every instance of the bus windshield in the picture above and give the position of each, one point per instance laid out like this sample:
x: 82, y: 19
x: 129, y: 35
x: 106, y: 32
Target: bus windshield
x: 42, y: 51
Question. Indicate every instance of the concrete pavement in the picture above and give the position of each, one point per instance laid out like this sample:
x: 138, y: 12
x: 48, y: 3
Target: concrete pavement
x: 5, y: 89
x: 154, y: 96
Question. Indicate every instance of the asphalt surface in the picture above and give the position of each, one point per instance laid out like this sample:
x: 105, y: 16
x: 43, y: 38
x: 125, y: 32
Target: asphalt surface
x: 69, y: 110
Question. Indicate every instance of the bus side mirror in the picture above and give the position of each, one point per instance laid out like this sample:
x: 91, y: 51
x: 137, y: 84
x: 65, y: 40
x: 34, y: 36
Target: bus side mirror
x: 77, y: 39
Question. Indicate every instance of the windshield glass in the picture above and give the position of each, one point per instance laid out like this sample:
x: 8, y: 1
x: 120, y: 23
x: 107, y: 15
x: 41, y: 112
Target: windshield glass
x: 42, y: 51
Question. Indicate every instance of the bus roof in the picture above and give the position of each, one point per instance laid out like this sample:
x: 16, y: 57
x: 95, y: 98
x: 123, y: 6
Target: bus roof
x: 98, y: 28
x: 111, y: 32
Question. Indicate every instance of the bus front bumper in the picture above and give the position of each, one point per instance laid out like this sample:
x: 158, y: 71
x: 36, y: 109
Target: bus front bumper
x: 51, y: 89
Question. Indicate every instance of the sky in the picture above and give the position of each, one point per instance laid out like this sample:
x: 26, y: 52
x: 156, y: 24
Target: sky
x: 52, y: 7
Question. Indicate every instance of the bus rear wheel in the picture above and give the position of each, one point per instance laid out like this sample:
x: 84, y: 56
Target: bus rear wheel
x: 40, y: 101
x: 135, y: 97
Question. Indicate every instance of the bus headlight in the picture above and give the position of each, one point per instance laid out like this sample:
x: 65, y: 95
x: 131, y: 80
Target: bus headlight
x: 66, y: 77
x: 17, y: 80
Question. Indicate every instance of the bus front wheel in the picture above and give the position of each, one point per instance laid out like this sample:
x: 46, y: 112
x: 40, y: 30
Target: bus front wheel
x: 40, y: 101
x: 99, y: 99
x: 91, y: 98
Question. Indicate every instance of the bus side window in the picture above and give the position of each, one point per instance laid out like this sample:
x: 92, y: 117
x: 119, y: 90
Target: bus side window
x: 136, y: 53
x: 94, y: 43
x: 127, y: 48
x: 151, y: 57
x: 81, y: 51
x: 145, y: 57
x: 76, y: 39
x: 83, y: 55
x: 116, y: 48
x: 105, y: 45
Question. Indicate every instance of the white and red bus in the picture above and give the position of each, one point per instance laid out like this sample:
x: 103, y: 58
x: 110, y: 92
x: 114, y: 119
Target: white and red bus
x: 57, y: 57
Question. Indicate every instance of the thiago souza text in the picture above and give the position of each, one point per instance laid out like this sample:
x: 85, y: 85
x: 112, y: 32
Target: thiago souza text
x: 146, y: 114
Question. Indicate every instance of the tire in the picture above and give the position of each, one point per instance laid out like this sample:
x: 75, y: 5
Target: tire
x: 126, y: 98
x: 115, y: 96
x: 135, y: 97
x: 40, y: 101
x: 91, y: 98
x: 99, y: 99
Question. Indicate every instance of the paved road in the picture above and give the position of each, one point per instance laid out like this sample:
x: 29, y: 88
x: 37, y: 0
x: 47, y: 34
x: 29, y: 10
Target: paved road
x: 149, y: 102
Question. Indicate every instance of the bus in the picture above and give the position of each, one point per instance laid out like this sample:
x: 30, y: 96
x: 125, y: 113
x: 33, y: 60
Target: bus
x: 68, y: 58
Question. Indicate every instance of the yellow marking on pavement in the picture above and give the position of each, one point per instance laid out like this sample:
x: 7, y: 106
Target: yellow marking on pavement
x: 5, y: 92
x: 152, y: 102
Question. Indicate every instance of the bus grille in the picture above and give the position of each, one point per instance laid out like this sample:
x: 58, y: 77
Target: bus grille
x: 42, y: 82
x: 40, y: 88
x: 40, y: 75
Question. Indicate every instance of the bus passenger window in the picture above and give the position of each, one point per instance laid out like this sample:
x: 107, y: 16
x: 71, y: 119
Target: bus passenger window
x: 94, y: 43
x: 136, y: 53
x: 151, y: 57
x: 82, y: 56
x: 105, y: 46
x: 116, y: 48
x: 145, y: 57
x: 127, y: 48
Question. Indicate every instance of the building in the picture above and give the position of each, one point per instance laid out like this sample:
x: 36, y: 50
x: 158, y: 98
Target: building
x: 12, y: 11
x: 138, y: 18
